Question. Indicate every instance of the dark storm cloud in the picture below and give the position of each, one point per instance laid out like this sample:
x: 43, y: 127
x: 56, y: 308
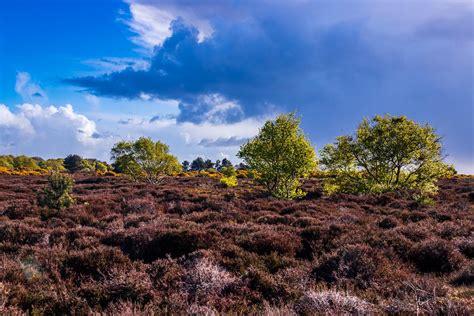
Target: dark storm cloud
x: 333, y: 61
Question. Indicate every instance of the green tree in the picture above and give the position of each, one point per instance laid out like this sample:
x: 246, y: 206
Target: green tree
x: 58, y: 194
x: 145, y: 160
x: 197, y: 164
x: 73, y: 163
x: 387, y: 153
x: 282, y: 155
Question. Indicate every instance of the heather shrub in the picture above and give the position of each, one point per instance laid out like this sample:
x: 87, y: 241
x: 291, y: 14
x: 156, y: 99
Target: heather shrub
x: 160, y: 244
x: 350, y: 264
x: 435, y: 255
x: 282, y: 155
x: 332, y: 302
x: 466, y: 246
x: 118, y: 285
x: 205, y: 279
x: 465, y: 276
x: 318, y: 240
x: 94, y: 262
x: 268, y: 241
x: 388, y: 222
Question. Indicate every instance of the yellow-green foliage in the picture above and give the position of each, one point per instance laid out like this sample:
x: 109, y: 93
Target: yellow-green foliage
x: 52, y: 164
x: 145, y: 160
x: 281, y: 155
x: 229, y: 171
x: 387, y: 153
x: 242, y: 174
x: 229, y: 181
x: 58, y: 194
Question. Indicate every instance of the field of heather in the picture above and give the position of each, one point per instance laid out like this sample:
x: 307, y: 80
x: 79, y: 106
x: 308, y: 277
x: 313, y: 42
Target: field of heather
x: 190, y: 246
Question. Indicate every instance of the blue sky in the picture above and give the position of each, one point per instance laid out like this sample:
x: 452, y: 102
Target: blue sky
x: 202, y: 76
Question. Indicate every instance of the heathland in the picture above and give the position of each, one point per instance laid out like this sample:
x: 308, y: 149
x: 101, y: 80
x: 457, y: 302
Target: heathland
x: 191, y: 245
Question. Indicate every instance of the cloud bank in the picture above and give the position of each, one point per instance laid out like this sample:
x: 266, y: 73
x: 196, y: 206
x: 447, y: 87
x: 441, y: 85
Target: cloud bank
x: 56, y: 131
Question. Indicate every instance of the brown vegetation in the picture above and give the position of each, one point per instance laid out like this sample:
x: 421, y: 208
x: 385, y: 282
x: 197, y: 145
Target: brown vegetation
x: 192, y: 246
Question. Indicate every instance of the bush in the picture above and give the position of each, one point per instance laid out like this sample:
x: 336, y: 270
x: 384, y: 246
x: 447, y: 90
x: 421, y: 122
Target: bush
x: 435, y: 255
x: 465, y: 276
x: 388, y: 222
x: 229, y: 171
x: 229, y: 182
x: 282, y: 155
x: 58, y: 194
x: 353, y: 263
x: 386, y: 154
x: 332, y: 302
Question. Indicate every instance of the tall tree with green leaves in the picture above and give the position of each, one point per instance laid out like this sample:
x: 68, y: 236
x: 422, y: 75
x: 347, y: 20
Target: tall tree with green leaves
x: 145, y: 160
x: 387, y: 153
x: 282, y: 155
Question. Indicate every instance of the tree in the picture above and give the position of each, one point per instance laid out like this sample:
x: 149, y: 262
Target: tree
x: 218, y: 165
x: 185, y: 165
x: 145, y: 160
x: 225, y: 163
x: 387, y: 153
x: 282, y: 155
x: 73, y: 163
x: 58, y: 194
x: 197, y: 164
x: 208, y: 164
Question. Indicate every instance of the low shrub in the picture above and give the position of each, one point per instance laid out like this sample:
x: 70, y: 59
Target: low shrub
x: 266, y: 242
x: 58, y: 194
x: 350, y: 264
x: 435, y: 255
x: 388, y: 222
x: 465, y: 276
x: 466, y: 246
x: 332, y: 302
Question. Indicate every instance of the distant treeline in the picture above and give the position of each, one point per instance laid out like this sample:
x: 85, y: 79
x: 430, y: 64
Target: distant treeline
x: 25, y: 165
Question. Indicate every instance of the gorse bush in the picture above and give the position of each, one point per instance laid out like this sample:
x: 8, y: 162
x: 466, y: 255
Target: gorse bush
x: 387, y: 153
x: 281, y: 155
x: 229, y: 181
x: 58, y: 194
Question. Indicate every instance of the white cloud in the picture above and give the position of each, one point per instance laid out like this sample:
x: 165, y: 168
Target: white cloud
x: 92, y: 99
x: 111, y: 64
x: 151, y: 24
x: 56, y: 131
x: 47, y: 131
x: 27, y: 89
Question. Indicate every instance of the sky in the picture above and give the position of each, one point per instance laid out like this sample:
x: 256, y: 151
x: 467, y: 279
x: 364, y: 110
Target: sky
x: 203, y: 76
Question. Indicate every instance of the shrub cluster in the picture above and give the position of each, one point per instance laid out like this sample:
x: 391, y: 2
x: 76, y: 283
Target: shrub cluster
x: 189, y: 248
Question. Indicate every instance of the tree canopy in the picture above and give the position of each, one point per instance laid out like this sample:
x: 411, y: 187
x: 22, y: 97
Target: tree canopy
x: 386, y: 153
x: 281, y: 154
x: 145, y: 160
